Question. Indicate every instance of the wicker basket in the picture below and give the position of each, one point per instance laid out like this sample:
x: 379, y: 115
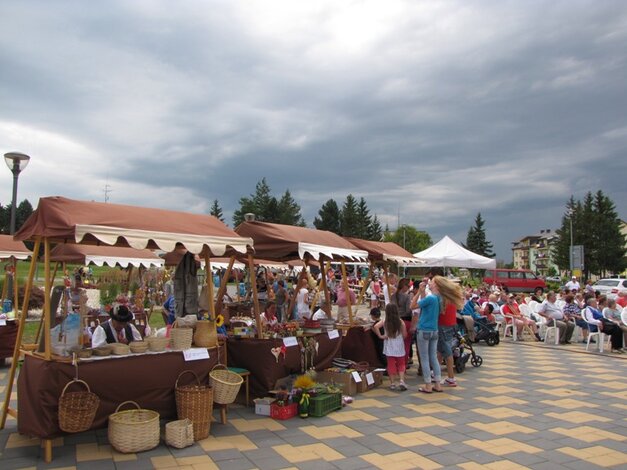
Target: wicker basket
x: 81, y: 353
x: 120, y: 349
x: 195, y: 402
x: 138, y: 347
x: 180, y: 338
x: 103, y: 351
x: 77, y: 409
x: 157, y: 344
x: 225, y: 384
x: 133, y: 430
x: 179, y: 433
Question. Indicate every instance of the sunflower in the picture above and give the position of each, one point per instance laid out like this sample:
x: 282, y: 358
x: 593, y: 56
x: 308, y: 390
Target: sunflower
x: 219, y: 320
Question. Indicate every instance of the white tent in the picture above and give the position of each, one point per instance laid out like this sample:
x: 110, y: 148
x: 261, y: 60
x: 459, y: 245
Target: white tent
x: 447, y: 253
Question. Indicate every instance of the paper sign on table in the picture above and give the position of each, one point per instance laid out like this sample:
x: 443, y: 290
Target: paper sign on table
x: 334, y: 334
x: 369, y: 378
x: 195, y: 354
x: 290, y: 341
x: 356, y: 376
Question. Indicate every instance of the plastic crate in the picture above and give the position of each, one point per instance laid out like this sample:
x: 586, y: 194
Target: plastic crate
x: 283, y: 412
x: 324, y: 404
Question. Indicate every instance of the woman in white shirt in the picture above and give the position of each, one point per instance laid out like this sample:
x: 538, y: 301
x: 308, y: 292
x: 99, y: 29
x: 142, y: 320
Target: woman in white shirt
x: 302, y: 299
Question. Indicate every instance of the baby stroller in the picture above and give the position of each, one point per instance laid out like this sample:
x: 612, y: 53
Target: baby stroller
x: 483, y: 331
x: 463, y: 352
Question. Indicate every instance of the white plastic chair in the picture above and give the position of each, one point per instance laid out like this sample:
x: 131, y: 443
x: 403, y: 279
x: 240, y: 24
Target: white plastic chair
x: 534, y: 306
x: 550, y: 329
x: 623, y: 317
x: 511, y: 325
x: 560, y: 304
x: 599, y: 334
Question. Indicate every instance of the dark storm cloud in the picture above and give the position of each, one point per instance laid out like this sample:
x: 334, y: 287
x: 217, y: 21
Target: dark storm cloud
x: 431, y: 111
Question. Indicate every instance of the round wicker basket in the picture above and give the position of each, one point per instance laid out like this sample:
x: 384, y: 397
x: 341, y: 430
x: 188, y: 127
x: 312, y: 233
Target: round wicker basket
x: 157, y: 344
x: 226, y: 384
x: 120, y: 349
x: 138, y: 346
x: 134, y: 430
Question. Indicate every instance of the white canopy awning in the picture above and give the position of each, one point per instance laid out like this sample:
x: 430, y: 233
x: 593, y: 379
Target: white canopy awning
x: 447, y: 253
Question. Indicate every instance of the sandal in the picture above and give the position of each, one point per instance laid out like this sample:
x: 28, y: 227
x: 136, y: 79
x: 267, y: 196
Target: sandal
x: 424, y: 390
x: 439, y: 390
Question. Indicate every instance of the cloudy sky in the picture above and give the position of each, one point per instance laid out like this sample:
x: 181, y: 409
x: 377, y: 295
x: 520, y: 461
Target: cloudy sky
x: 434, y: 110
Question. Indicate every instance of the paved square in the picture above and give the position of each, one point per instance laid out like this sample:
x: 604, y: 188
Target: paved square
x: 527, y: 406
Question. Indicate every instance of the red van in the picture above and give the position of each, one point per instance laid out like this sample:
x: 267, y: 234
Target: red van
x: 516, y: 280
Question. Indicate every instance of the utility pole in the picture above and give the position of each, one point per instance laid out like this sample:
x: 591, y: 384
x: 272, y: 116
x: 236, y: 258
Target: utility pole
x: 107, y: 189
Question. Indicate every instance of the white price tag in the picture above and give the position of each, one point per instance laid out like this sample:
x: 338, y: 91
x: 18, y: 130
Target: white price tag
x: 195, y: 354
x: 369, y: 378
x: 356, y: 376
x: 379, y: 369
x: 3, y: 322
x: 290, y: 341
x: 334, y: 334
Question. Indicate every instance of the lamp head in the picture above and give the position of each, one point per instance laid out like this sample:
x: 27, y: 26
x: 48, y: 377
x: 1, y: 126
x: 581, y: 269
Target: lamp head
x: 16, y: 161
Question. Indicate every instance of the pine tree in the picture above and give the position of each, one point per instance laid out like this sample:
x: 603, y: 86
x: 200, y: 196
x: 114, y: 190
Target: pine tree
x: 349, y: 221
x: 364, y: 220
x: 329, y: 217
x: 288, y: 211
x: 216, y: 210
x: 561, y: 249
x: 375, y: 232
x: 609, y: 242
x: 476, y: 239
x: 262, y: 204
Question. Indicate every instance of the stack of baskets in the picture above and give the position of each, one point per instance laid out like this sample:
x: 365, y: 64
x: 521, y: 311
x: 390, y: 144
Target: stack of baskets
x: 133, y: 431
x: 225, y: 383
x: 195, y: 402
x: 77, y: 409
x: 180, y: 338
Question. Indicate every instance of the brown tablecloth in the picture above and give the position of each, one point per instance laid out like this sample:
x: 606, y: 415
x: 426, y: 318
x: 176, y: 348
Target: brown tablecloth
x: 256, y: 356
x: 146, y: 379
x: 358, y: 345
x: 8, y: 334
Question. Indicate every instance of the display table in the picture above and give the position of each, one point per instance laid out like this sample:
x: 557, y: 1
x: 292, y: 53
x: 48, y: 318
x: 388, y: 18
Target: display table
x: 8, y: 335
x: 147, y: 379
x: 255, y: 355
x: 358, y: 345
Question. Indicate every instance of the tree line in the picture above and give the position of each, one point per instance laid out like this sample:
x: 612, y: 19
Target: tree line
x: 596, y: 226
x: 22, y: 212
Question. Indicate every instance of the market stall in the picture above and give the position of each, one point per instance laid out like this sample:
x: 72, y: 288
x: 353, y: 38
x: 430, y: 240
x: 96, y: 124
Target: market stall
x: 10, y: 252
x: 62, y: 220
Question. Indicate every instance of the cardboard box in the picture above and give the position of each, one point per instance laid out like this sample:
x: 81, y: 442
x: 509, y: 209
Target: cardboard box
x: 344, y: 380
x: 374, y: 377
x: 262, y: 406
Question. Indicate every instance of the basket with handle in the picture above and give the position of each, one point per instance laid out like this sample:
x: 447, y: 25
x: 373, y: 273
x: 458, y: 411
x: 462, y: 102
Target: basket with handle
x: 225, y: 383
x: 179, y: 433
x: 180, y: 338
x: 77, y: 409
x: 195, y: 402
x: 133, y: 430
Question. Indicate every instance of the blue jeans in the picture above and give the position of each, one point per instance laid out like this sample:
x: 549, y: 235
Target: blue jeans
x: 427, y: 350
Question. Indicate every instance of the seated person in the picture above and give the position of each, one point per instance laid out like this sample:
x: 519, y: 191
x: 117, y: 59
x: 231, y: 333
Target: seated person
x: 512, y: 311
x: 596, y: 320
x: 117, y: 329
x: 538, y: 295
x: 268, y: 317
x: 613, y: 314
x: 572, y: 312
x: 471, y: 315
x: 621, y: 300
x: 494, y: 314
x: 556, y: 317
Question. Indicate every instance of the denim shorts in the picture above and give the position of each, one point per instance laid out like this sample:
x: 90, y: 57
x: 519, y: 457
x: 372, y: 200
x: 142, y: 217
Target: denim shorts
x: 445, y: 339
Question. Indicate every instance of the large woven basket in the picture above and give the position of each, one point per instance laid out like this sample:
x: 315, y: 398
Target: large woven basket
x: 180, y: 338
x: 179, y: 433
x: 195, y: 402
x: 77, y: 409
x: 226, y: 384
x: 133, y: 430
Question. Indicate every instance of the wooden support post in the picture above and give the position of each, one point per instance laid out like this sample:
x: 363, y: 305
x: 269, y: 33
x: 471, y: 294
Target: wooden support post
x: 5, y: 286
x: 16, y: 300
x: 128, y: 279
x: 223, y: 285
x: 348, y: 294
x: 54, y: 273
x: 47, y: 313
x: 253, y: 286
x: 327, y: 293
x: 209, y: 280
x: 47, y: 446
x: 20, y: 334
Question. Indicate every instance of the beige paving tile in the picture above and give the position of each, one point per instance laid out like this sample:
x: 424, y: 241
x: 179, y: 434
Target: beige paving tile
x: 164, y: 461
x: 410, y: 439
x: 88, y: 452
x: 500, y: 390
x: 500, y: 465
x: 351, y: 415
x: 401, y: 461
x: 247, y: 425
x: 500, y: 381
x: 502, y: 427
x: 367, y: 403
x: 589, y: 434
x: 378, y: 392
x: 502, y: 446
x: 198, y: 461
x: 431, y: 408
x: 297, y: 454
x: 18, y: 440
x: 422, y: 422
x: 239, y: 442
x: 329, y: 432
x: 501, y: 412
x: 554, y: 382
x: 569, y: 403
x: 577, y: 417
x: 597, y: 455
x: 501, y: 400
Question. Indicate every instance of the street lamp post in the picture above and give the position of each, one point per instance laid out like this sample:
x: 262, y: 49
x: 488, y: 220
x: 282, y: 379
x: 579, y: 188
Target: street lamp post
x: 16, y: 162
x: 570, y: 251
